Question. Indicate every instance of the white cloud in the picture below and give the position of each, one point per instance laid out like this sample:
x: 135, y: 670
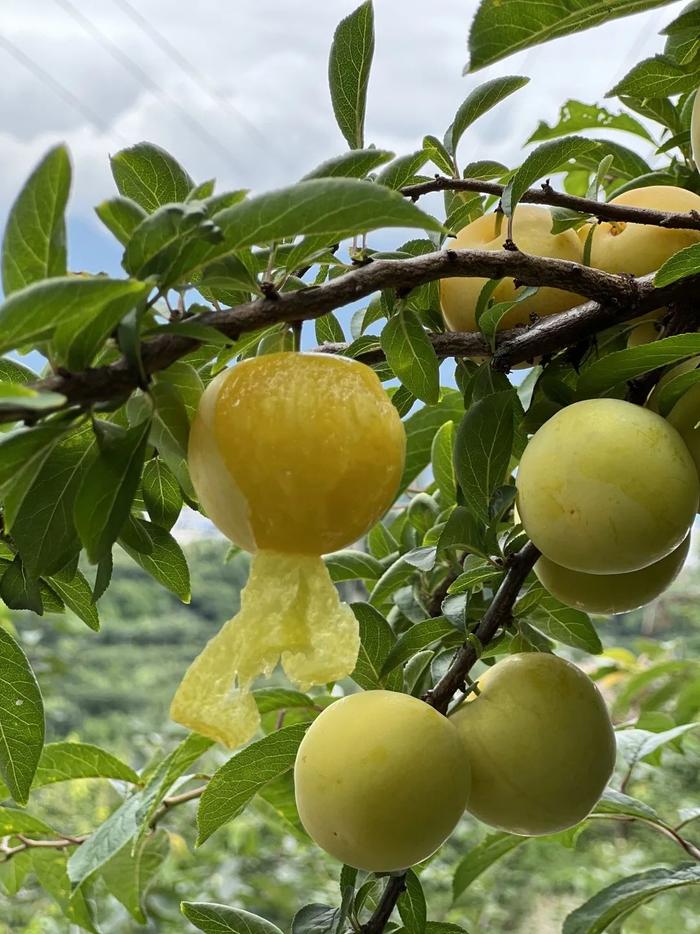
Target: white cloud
x: 268, y: 58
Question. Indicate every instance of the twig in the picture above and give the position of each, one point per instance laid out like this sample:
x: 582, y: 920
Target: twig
x: 385, y: 906
x: 547, y: 195
x: 65, y: 840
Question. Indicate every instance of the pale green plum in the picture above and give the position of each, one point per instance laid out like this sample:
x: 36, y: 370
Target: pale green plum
x: 685, y: 416
x: 612, y: 593
x: 540, y: 743
x: 686, y: 366
x: 381, y: 780
x: 607, y: 487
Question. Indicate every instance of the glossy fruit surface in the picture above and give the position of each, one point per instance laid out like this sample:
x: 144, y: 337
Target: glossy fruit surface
x: 540, y: 743
x: 639, y: 249
x: 381, y: 780
x: 297, y: 453
x: 532, y: 232
x: 685, y: 417
x: 606, y: 487
x: 612, y: 593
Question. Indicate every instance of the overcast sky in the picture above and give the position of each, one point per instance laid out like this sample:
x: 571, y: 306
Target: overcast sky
x: 254, y: 80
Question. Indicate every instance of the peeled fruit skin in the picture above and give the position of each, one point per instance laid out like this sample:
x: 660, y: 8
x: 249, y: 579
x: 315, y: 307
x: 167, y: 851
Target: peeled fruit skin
x: 695, y: 131
x: 638, y: 249
x: 297, y: 453
x: 606, y: 487
x: 540, y: 743
x: 532, y: 234
x: 381, y: 780
x: 612, y: 593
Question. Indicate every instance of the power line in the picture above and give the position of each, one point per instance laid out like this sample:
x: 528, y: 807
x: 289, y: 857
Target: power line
x: 185, y: 65
x: 138, y: 73
x: 59, y: 89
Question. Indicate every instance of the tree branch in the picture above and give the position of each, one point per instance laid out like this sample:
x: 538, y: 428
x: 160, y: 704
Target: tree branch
x: 60, y: 843
x: 496, y: 617
x: 547, y: 195
x: 615, y: 298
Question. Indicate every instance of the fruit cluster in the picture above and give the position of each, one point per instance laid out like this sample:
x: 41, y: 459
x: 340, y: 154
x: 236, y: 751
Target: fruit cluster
x: 530, y: 754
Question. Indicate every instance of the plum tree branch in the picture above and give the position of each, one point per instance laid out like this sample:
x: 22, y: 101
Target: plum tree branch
x: 65, y: 840
x: 612, y: 298
x: 545, y: 194
x: 497, y: 616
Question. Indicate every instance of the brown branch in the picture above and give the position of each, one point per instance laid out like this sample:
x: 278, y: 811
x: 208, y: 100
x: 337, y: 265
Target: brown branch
x: 60, y: 843
x: 615, y: 298
x: 496, y: 617
x: 547, y: 195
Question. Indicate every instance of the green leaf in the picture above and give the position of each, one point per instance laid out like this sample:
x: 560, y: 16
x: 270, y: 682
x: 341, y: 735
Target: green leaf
x: 328, y: 329
x: 614, y: 802
x: 411, y: 904
x: 567, y: 625
x: 16, y: 394
x: 14, y: 821
x: 150, y: 176
x: 33, y: 313
x: 18, y: 590
x: 658, y: 77
x: 159, y: 555
x: 491, y: 316
x: 13, y: 372
x: 684, y: 263
x: 121, y: 216
x: 482, y: 450
x: 105, y: 841
x: 620, y: 899
x: 238, y: 780
x: 278, y: 796
x: 442, y: 458
x: 502, y: 28
x: 21, y: 719
x: 50, y: 869
x: 161, y: 493
x: 76, y: 593
x: 481, y: 857
x: 547, y: 158
x: 218, y: 919
x: 402, y: 170
x: 349, y: 565
x: 43, y: 527
x: 271, y: 699
x: 411, y: 355
x: 420, y: 636
x: 161, y: 779
x: 317, y: 919
x: 421, y: 428
x: 623, y: 365
x: 575, y: 116
x: 438, y: 155
x: 354, y: 164
x: 437, y: 927
x: 334, y: 207
x: 107, y: 489
x: 128, y: 875
x: 480, y: 101
x: 635, y: 745
x: 34, y: 245
x: 395, y: 576
x: 479, y: 573
x: 64, y: 761
x: 348, y: 72
x: 22, y: 455
x: 376, y: 642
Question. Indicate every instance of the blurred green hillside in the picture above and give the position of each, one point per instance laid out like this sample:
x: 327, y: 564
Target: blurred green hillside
x: 113, y: 688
